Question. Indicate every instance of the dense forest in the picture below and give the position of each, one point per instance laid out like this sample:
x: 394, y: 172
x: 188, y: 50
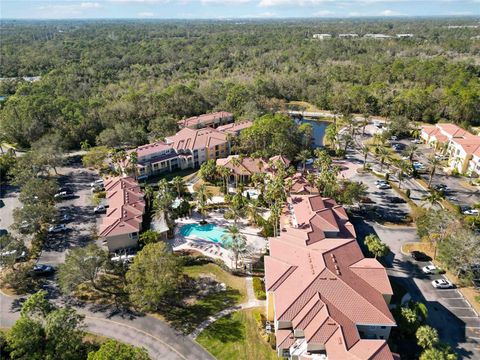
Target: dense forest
x: 123, y: 83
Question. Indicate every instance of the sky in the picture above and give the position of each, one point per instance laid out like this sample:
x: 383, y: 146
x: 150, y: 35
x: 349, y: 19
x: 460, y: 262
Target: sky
x: 227, y: 9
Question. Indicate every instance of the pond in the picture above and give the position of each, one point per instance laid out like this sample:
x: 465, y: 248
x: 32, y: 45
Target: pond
x: 318, y: 130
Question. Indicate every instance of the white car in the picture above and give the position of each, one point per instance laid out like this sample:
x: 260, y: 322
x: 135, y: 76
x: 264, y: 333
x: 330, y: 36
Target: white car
x: 471, y: 212
x: 97, y: 183
x: 442, y: 284
x: 383, y: 186
x: 429, y: 269
x: 100, y: 209
x: 416, y: 141
x: 13, y: 252
x: 123, y: 258
x: 57, y: 228
x: 393, y: 138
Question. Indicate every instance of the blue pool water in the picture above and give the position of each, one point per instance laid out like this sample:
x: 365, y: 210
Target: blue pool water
x: 208, y: 232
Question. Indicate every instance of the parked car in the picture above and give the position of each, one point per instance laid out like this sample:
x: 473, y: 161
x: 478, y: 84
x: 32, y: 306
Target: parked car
x: 57, y: 228
x: 429, y: 269
x: 97, y: 183
x: 471, y: 212
x: 366, y: 200
x: 2, y: 204
x: 63, y: 195
x: 3, y: 232
x: 42, y: 269
x: 123, y: 258
x: 393, y: 138
x: 442, y: 284
x: 97, y: 189
x: 416, y: 141
x: 383, y: 186
x: 378, y: 182
x: 420, y: 256
x: 66, y: 218
x: 397, y: 147
x: 396, y: 200
x: 440, y: 187
x: 100, y: 209
x: 18, y: 254
x: 441, y: 157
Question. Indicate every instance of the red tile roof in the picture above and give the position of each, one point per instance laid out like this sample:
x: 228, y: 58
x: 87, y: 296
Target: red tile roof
x: 323, y: 284
x: 205, y: 119
x: 126, y: 207
x: 194, y: 139
x: 235, y: 127
x: 150, y: 149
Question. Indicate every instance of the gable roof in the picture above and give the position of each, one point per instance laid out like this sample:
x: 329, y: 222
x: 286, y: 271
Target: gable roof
x: 204, y: 119
x: 126, y: 207
x: 194, y: 139
x: 235, y: 127
x: 326, y: 287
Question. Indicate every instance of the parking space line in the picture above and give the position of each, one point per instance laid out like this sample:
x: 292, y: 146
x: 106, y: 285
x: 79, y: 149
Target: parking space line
x: 453, y: 307
x: 467, y: 317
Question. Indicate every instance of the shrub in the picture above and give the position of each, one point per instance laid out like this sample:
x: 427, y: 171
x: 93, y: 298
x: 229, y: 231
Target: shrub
x: 259, y: 288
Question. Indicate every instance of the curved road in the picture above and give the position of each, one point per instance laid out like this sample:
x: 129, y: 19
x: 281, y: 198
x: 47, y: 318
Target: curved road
x: 159, y: 339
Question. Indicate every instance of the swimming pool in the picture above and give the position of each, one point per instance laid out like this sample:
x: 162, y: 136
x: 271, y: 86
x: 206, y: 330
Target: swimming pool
x: 208, y: 232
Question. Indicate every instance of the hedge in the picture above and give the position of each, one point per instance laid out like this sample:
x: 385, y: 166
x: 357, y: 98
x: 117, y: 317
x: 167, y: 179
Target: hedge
x: 259, y: 288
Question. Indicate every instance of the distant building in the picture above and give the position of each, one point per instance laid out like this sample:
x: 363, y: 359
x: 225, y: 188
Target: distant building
x: 377, y: 36
x: 123, y: 221
x: 348, y: 35
x: 235, y: 128
x: 322, y: 36
x: 403, y: 36
x: 212, y: 120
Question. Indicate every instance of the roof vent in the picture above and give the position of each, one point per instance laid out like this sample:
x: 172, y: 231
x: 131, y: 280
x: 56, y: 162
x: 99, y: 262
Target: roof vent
x: 338, y: 272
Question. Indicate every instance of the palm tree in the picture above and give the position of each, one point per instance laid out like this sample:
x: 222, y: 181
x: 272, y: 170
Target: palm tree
x: 163, y: 187
x: 365, y: 149
x: 84, y: 145
x: 132, y: 163
x: 275, y: 211
x: 179, y: 185
x: 224, y: 172
x: 235, y: 241
x: 303, y: 156
x: 403, y: 169
x: 411, y: 151
x: 366, y: 117
x: 434, y: 197
x: 383, y: 155
x: 148, y: 194
x: 203, y: 195
x: 236, y: 162
x: 252, y: 211
x: 433, y: 162
x: 331, y: 135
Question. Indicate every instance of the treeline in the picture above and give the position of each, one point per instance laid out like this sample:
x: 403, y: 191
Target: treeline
x: 123, y: 83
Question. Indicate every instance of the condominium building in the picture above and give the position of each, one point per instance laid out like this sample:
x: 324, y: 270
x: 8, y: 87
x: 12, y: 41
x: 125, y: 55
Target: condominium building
x: 212, y: 120
x: 325, y: 299
x: 462, y: 147
x: 123, y: 220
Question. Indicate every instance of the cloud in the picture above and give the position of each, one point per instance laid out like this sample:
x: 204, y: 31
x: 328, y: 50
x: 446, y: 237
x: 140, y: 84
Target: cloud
x: 68, y: 10
x: 145, y: 14
x: 324, y: 13
x: 90, y: 5
x: 390, y: 13
x: 225, y: 2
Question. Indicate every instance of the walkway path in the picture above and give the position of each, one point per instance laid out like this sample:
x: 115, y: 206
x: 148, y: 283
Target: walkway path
x: 159, y: 339
x: 252, y: 302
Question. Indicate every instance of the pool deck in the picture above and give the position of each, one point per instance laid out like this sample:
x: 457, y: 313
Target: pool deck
x: 255, y: 243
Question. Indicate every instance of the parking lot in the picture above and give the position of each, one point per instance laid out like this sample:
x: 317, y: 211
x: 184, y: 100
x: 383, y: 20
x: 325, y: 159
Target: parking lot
x: 79, y: 207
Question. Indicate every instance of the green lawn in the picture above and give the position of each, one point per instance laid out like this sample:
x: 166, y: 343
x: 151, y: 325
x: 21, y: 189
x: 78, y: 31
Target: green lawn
x: 236, y: 336
x: 188, y: 315
x: 213, y: 270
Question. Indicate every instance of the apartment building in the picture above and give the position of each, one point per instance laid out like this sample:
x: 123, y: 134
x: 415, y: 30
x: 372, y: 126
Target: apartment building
x: 325, y: 299
x: 196, y: 146
x: 461, y: 146
x: 122, y: 222
x: 212, y: 120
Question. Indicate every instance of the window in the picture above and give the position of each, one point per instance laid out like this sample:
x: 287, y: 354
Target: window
x: 383, y: 327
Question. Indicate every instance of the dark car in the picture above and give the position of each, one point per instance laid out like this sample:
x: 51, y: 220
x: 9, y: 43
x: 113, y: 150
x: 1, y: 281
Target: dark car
x: 2, y: 204
x: 420, y: 256
x: 440, y: 187
x: 3, y: 232
x: 43, y: 270
x: 396, y: 200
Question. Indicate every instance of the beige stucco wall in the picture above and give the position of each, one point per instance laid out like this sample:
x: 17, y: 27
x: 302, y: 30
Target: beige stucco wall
x: 120, y: 242
x: 270, y: 306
